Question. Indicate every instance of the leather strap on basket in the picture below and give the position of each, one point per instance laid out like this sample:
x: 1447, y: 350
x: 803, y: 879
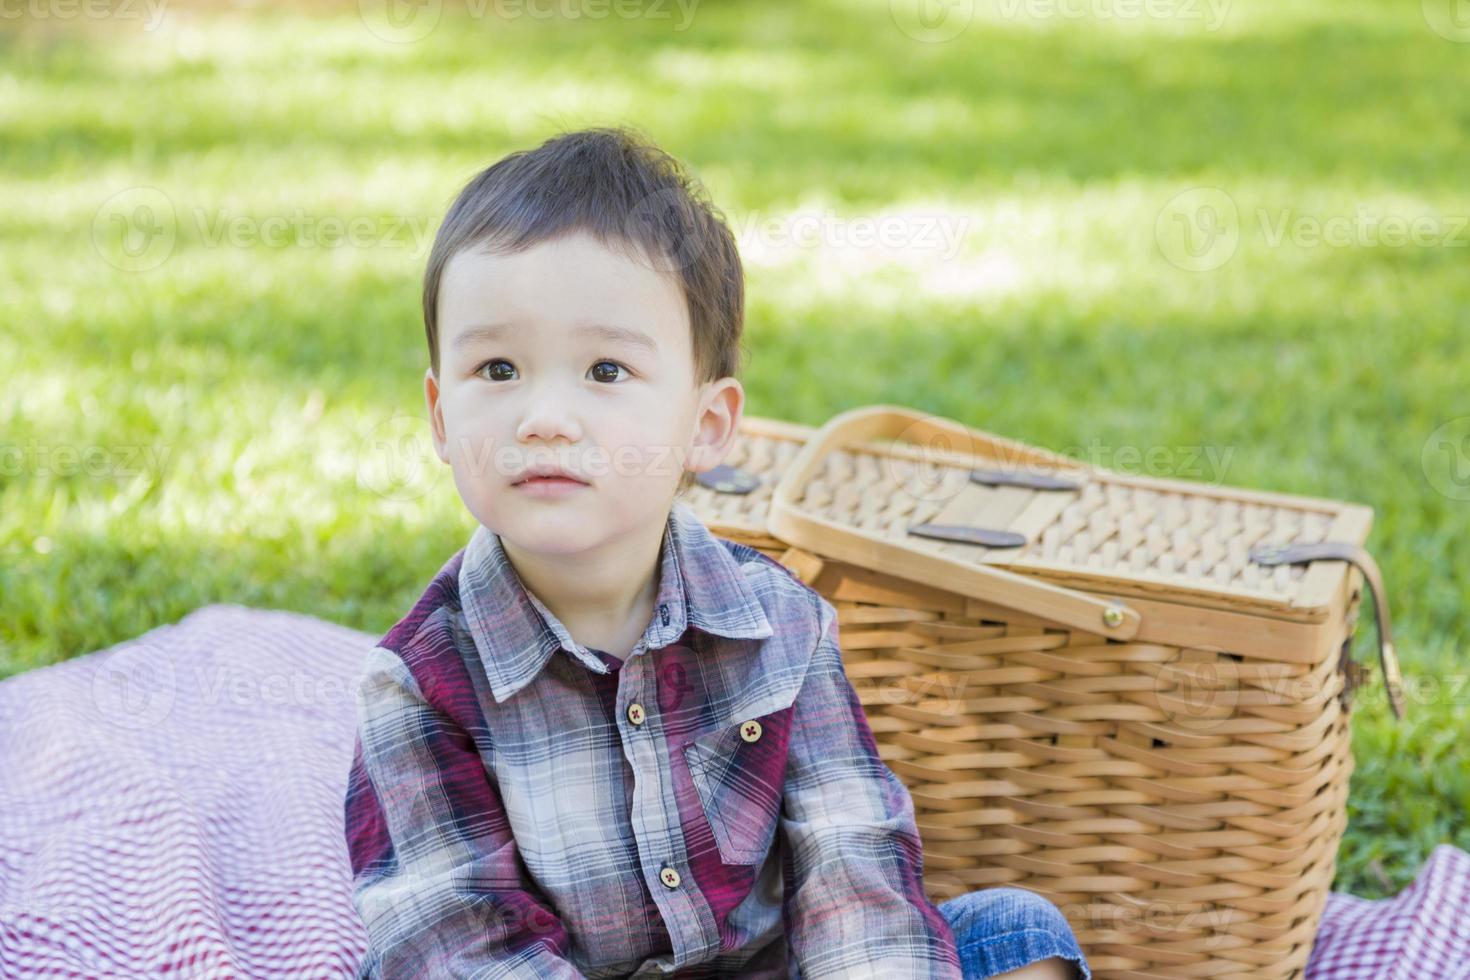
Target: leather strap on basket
x: 728, y: 479
x: 966, y: 534
x: 1295, y: 554
x: 1021, y: 478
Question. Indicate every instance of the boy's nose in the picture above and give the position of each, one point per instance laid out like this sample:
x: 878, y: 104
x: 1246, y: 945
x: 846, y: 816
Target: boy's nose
x: 546, y: 424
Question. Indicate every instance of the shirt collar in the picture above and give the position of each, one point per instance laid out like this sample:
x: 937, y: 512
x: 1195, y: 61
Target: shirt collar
x: 701, y: 584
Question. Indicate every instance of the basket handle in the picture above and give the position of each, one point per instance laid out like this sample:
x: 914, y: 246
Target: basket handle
x: 1296, y: 554
x: 1109, y: 617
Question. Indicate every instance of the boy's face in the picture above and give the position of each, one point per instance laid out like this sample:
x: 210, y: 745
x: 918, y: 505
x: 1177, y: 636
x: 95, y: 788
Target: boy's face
x: 531, y: 374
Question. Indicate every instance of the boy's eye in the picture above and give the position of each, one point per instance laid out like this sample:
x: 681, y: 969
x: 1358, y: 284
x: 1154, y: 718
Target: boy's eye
x: 492, y: 364
x: 603, y: 376
x: 499, y: 365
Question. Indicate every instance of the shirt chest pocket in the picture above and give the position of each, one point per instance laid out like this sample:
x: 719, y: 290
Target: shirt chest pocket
x: 739, y: 770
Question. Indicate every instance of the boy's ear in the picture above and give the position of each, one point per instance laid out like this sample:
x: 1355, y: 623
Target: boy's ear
x: 436, y: 415
x: 717, y: 425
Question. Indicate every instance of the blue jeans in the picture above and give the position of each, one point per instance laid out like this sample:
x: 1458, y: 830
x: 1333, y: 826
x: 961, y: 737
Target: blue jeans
x: 1005, y: 928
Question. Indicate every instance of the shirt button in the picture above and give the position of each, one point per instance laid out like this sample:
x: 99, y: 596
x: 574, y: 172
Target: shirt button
x: 663, y: 612
x: 669, y: 877
x: 750, y: 731
x: 635, y: 713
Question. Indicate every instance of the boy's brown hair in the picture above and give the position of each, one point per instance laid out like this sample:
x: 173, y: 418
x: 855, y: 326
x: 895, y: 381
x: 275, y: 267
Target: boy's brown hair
x: 615, y: 184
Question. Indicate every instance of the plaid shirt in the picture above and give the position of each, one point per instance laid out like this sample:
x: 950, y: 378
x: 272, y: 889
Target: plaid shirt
x: 522, y: 806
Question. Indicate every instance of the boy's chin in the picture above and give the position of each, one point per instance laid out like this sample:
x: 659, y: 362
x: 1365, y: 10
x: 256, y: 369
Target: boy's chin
x: 572, y: 523
x: 549, y: 526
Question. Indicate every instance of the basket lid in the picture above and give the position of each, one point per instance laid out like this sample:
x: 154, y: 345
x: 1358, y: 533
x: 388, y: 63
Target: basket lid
x: 953, y: 498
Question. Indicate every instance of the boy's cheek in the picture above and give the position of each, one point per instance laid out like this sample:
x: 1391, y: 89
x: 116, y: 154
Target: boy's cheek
x: 477, y: 457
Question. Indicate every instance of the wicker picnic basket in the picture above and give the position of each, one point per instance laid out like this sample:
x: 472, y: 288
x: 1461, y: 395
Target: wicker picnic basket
x: 1128, y: 694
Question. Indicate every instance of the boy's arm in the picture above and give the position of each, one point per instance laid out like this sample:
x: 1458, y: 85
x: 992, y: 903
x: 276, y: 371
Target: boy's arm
x: 437, y: 877
x: 854, y: 904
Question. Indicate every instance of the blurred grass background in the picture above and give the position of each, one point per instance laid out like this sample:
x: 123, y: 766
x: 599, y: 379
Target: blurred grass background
x: 221, y: 396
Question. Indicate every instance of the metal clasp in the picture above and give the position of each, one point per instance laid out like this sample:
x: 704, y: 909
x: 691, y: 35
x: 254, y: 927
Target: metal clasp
x: 1297, y: 554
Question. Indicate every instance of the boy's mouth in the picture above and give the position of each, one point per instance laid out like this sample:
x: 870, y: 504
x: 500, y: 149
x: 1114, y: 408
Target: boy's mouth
x: 550, y: 487
x: 548, y: 476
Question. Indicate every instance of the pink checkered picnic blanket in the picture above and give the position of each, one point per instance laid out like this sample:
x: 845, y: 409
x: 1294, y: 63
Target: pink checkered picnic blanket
x: 172, y: 806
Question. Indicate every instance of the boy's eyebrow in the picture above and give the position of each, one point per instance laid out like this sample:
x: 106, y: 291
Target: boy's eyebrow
x: 607, y: 332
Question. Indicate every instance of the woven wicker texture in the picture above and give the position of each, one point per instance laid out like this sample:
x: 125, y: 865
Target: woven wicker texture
x: 1129, y: 534
x: 1183, y: 806
x: 1107, y: 527
x: 1180, y: 793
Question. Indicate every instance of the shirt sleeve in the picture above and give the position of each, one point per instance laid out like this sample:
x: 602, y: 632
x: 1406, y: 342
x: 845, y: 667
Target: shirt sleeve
x: 854, y: 902
x: 437, y: 877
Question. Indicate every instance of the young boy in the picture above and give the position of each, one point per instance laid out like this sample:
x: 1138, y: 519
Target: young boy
x: 606, y: 743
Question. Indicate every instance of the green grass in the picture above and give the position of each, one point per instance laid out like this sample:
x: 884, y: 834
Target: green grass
x: 260, y: 376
